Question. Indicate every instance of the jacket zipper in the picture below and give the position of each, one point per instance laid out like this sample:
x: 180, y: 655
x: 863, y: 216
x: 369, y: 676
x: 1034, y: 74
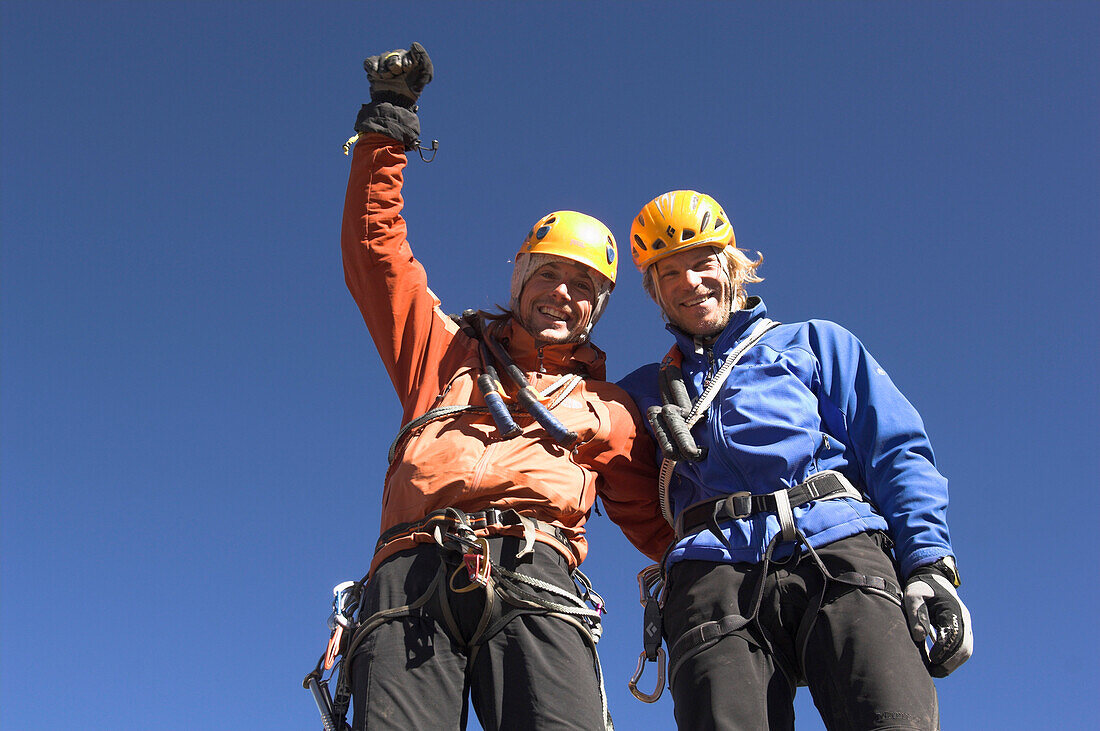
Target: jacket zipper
x: 481, y: 465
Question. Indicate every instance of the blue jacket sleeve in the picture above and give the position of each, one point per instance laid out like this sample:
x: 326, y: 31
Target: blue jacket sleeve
x: 888, y: 440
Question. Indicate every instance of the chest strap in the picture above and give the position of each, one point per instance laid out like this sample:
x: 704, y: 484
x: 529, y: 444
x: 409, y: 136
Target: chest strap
x: 827, y: 485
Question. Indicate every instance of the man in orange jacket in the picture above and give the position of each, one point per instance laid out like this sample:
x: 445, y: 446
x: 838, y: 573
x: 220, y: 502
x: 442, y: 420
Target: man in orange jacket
x: 511, y: 433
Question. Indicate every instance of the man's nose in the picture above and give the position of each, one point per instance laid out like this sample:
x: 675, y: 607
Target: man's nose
x: 562, y: 291
x: 692, y: 279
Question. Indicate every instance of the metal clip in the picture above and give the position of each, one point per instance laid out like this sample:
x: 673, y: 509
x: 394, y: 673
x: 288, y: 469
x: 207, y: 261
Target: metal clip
x: 434, y: 149
x: 649, y: 578
x: 323, y: 700
x: 477, y: 565
x: 650, y: 585
x: 633, y: 684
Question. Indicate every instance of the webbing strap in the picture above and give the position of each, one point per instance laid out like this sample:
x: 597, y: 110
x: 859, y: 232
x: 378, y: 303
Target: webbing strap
x: 825, y: 485
x: 700, y: 637
x: 428, y: 416
x: 853, y: 581
x: 450, y: 518
x: 565, y: 384
x: 783, y: 511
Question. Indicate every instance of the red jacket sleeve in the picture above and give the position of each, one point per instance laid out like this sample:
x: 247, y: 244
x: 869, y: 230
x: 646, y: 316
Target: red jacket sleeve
x: 388, y: 283
x: 628, y: 481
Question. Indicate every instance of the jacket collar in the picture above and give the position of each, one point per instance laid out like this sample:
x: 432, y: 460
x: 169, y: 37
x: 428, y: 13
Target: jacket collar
x: 739, y: 324
x: 556, y: 359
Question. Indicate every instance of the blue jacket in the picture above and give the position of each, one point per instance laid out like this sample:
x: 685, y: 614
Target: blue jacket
x: 807, y: 397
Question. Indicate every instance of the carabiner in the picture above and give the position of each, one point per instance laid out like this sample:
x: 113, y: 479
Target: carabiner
x: 434, y: 149
x: 633, y: 684
x: 477, y: 565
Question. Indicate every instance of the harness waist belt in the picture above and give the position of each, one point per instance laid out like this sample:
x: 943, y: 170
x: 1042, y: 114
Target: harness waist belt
x: 702, y: 515
x: 489, y: 518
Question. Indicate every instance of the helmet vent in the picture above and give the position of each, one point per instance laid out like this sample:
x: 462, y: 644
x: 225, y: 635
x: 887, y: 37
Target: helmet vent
x: 639, y: 243
x: 706, y: 218
x: 659, y: 244
x: 686, y: 234
x: 719, y: 223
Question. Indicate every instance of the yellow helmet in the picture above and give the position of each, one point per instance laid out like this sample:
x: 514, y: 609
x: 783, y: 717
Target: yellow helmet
x: 677, y: 221
x: 574, y: 236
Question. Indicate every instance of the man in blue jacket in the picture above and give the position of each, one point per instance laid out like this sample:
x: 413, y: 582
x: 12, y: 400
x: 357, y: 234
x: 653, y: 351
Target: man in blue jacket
x: 811, y: 532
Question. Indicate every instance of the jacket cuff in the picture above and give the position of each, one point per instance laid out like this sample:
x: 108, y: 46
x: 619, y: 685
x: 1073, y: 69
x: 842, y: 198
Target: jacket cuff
x: 391, y: 120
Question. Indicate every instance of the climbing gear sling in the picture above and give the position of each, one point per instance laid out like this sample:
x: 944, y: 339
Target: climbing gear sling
x: 491, y: 352
x: 672, y: 422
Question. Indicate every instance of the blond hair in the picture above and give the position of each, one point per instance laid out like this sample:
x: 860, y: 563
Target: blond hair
x: 739, y: 269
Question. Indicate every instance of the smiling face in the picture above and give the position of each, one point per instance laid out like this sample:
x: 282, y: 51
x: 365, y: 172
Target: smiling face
x: 556, y: 302
x: 694, y: 291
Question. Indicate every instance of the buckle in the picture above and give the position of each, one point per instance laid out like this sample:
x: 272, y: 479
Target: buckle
x: 737, y: 506
x: 491, y: 516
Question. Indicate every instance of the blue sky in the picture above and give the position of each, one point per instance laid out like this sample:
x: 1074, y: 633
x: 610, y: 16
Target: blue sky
x: 194, y: 421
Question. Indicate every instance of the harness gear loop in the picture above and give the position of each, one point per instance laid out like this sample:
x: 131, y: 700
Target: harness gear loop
x: 528, y: 536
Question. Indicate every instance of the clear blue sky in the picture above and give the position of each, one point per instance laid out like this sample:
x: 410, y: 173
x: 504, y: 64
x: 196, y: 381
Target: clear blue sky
x: 194, y: 420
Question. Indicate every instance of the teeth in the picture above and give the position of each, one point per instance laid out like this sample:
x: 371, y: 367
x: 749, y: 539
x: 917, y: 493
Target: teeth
x: 555, y: 313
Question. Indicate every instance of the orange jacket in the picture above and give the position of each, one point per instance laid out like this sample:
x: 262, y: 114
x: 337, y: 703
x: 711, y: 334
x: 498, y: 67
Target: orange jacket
x: 460, y: 461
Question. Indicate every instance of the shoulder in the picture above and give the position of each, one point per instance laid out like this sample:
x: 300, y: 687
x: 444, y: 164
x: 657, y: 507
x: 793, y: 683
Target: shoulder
x: 642, y: 384
x: 813, y: 336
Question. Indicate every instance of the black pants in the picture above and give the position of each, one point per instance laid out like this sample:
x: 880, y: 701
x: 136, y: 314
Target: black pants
x: 416, y: 672
x: 861, y: 666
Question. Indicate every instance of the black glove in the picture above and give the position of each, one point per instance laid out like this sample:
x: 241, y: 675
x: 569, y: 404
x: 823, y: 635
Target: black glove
x: 396, y: 80
x: 936, y: 614
x: 399, y: 76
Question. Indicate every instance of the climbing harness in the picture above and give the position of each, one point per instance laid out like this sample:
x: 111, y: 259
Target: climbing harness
x: 825, y: 485
x: 700, y: 637
x: 706, y: 514
x: 508, y: 594
x: 673, y: 421
x: 441, y: 520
